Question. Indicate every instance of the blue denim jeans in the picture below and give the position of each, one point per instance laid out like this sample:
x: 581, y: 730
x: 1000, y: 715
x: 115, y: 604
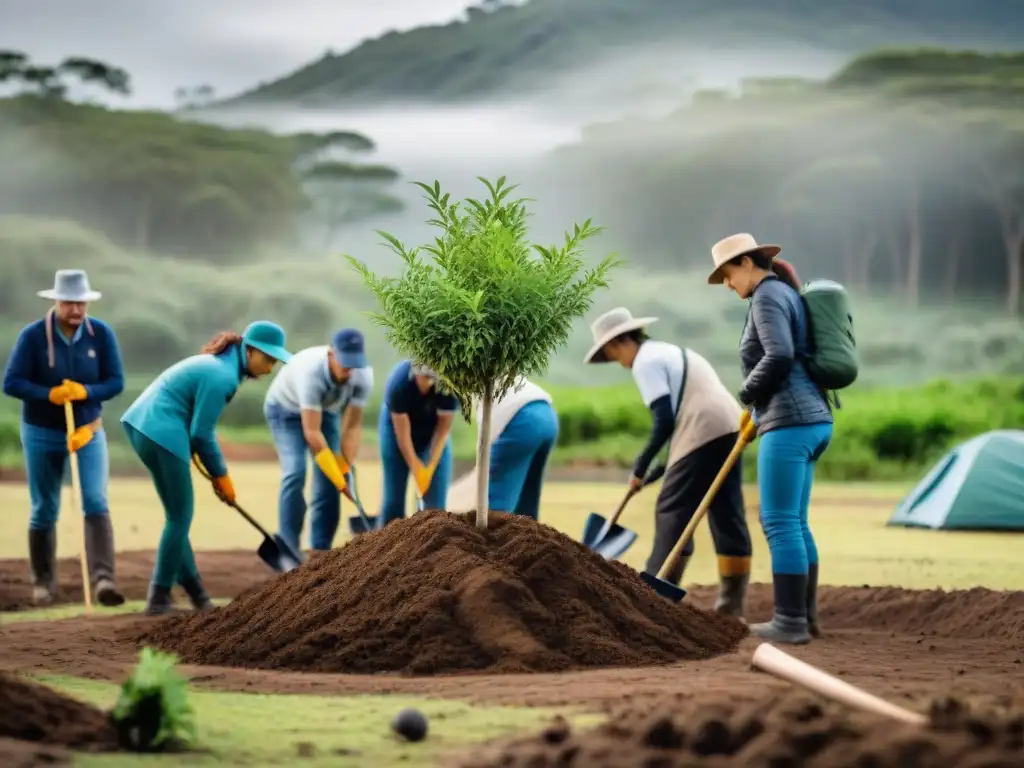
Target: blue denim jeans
x: 518, y: 459
x: 292, y: 450
x: 47, y: 467
x: 786, y: 459
x: 396, y: 473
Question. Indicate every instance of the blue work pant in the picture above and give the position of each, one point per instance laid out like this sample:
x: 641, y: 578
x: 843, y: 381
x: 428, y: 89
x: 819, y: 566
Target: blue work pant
x: 786, y: 458
x: 292, y: 449
x: 518, y: 459
x: 47, y: 466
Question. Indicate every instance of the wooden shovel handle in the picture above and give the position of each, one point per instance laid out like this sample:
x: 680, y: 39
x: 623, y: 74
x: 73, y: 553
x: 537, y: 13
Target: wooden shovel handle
x: 748, y: 432
x: 775, y: 662
x: 76, y: 484
x: 620, y: 509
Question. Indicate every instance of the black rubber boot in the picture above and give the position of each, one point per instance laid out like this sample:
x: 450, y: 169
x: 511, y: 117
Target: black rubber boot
x: 732, y: 592
x: 197, y: 594
x: 99, y: 550
x: 42, y: 551
x: 789, y: 624
x: 813, y: 627
x: 159, y: 601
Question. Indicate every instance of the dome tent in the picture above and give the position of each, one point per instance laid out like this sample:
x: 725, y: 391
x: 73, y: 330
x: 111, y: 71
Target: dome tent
x: 979, y: 485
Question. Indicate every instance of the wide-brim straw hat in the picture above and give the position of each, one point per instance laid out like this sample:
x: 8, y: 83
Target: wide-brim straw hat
x: 612, y: 323
x: 70, y: 285
x: 729, y: 248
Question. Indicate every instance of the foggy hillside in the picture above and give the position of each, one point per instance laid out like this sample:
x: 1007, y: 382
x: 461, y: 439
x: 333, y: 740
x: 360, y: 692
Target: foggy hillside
x: 520, y: 48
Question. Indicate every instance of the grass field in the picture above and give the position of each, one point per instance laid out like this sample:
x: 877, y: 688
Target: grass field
x: 258, y: 730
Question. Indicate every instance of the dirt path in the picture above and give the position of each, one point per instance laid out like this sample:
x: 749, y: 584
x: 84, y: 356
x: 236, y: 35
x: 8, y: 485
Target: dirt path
x: 895, y: 642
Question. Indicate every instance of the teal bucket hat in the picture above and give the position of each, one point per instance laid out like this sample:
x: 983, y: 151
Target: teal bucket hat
x: 268, y: 338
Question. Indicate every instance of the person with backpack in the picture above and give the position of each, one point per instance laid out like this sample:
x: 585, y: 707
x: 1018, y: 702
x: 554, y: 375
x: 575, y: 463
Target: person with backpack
x: 699, y: 419
x: 315, y: 404
x: 791, y: 410
x: 176, y: 416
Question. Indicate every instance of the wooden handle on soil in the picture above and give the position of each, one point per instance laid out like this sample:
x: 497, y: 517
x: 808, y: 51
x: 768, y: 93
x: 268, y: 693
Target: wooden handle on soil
x: 69, y: 421
x: 770, y: 659
x: 747, y: 434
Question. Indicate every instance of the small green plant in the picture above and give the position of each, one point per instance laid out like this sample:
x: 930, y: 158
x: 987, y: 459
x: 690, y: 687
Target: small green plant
x: 153, y: 712
x: 489, y: 307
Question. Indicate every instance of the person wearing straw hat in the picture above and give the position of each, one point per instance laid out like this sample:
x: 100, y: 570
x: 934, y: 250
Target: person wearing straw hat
x: 414, y: 429
x: 794, y: 423
x: 699, y: 419
x: 304, y: 408
x: 175, y: 417
x: 67, y: 356
x: 524, y: 429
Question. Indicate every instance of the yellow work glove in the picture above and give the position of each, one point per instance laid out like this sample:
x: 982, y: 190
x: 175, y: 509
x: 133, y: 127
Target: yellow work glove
x: 79, y: 439
x: 225, y: 489
x: 59, y: 394
x: 328, y: 464
x: 343, y: 465
x: 422, y: 475
x: 75, y: 391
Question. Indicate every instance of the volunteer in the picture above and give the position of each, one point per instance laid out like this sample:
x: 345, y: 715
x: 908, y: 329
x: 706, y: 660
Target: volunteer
x: 304, y: 408
x: 699, y: 419
x: 524, y: 428
x: 67, y: 356
x: 794, y: 423
x: 415, y: 436
x: 175, y: 417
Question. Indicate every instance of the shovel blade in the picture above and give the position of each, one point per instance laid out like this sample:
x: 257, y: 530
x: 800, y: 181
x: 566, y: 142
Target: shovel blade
x: 276, y: 553
x: 666, y: 589
x: 361, y: 524
x: 610, y: 543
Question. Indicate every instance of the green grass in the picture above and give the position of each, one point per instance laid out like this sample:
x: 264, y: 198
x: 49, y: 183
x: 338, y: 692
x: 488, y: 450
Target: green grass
x: 344, y: 731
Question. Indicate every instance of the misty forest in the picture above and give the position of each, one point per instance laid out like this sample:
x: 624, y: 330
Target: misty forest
x: 900, y: 172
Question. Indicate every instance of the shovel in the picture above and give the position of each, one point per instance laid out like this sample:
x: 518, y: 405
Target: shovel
x: 273, y: 550
x: 364, y: 522
x: 659, y: 583
x: 606, y: 537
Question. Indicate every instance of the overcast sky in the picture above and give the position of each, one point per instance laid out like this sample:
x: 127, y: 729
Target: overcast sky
x: 230, y: 44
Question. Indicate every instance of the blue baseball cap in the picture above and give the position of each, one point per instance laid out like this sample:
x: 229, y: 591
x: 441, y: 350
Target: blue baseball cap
x: 349, y: 348
x: 268, y: 338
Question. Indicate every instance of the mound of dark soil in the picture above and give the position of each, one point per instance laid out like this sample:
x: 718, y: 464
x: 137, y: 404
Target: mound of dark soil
x: 31, y: 712
x: 25, y: 754
x: 780, y: 732
x: 431, y: 594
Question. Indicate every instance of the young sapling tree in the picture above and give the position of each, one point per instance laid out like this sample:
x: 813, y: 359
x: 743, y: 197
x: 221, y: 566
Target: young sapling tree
x: 484, y: 307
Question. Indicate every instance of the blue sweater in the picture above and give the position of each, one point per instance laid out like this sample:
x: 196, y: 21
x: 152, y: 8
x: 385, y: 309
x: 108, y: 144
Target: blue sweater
x: 92, y: 358
x: 180, y: 409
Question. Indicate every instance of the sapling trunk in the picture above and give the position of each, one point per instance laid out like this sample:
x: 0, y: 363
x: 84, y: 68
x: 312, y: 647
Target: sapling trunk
x: 483, y: 459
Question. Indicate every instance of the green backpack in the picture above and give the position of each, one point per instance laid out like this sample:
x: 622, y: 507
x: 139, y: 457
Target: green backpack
x: 832, y: 361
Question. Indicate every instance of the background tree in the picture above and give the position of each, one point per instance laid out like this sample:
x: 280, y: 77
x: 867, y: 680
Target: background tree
x: 343, y: 193
x: 489, y: 306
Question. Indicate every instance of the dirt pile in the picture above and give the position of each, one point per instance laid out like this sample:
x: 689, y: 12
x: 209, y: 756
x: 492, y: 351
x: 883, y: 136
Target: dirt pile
x: 789, y: 731
x: 432, y: 595
x: 35, y: 713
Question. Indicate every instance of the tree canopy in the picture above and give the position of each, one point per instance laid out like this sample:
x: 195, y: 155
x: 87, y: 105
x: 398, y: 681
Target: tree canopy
x: 152, y: 182
x: 902, y: 172
x: 497, y: 48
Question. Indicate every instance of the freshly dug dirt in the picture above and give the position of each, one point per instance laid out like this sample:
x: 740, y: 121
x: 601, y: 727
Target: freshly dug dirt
x: 431, y: 595
x: 35, y: 713
x: 780, y: 732
x: 25, y: 754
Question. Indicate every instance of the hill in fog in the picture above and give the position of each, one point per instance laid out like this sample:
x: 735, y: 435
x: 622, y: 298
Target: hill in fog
x: 531, y: 47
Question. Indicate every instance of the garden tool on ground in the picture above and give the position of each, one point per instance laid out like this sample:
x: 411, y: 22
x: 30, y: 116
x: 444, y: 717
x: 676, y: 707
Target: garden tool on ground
x: 364, y: 522
x: 273, y: 550
x: 69, y: 420
x: 606, y: 537
x: 660, y: 583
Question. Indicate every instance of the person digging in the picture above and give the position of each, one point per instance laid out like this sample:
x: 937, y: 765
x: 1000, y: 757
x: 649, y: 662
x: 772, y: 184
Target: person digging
x: 67, y: 356
x: 699, y: 419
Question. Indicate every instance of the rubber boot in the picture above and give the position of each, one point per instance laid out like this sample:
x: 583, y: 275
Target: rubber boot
x: 732, y: 592
x: 789, y: 624
x: 99, y: 550
x: 813, y: 627
x: 197, y: 594
x: 42, y: 551
x: 159, y: 601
